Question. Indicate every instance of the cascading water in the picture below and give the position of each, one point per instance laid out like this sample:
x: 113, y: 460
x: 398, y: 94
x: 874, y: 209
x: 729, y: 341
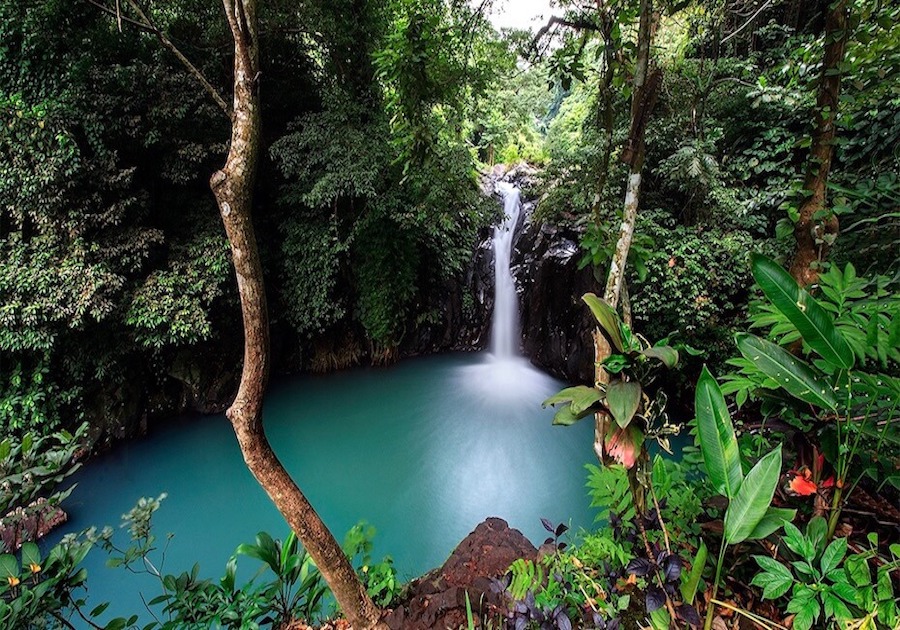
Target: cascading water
x: 505, y: 322
x: 505, y: 378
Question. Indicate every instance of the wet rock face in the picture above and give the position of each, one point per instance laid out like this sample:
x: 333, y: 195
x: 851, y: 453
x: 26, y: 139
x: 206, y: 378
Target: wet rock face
x: 438, y: 599
x: 556, y: 325
x: 462, y: 308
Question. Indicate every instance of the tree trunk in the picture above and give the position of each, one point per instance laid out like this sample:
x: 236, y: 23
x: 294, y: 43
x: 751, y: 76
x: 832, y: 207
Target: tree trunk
x: 233, y: 189
x: 643, y: 98
x: 814, y: 232
x: 605, y: 113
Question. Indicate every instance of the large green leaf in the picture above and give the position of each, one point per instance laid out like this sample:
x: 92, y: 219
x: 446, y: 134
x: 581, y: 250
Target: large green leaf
x: 796, y: 377
x: 690, y: 582
x: 608, y: 319
x: 623, y: 399
x: 752, y: 501
x: 773, y: 520
x: 9, y: 566
x: 717, y: 441
x: 580, y: 398
x: 31, y: 555
x: 565, y: 417
x: 813, y: 322
x: 666, y: 354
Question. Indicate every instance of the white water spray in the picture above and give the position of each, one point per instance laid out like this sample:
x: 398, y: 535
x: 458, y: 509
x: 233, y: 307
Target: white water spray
x: 505, y: 323
x: 506, y: 378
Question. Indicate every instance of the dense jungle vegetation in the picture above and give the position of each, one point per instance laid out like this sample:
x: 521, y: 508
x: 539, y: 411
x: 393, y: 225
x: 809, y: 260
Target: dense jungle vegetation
x: 730, y: 168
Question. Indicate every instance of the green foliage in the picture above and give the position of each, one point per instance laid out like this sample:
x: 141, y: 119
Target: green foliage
x: 600, y: 546
x: 39, y: 591
x: 623, y: 397
x: 287, y: 586
x: 749, y: 514
x: 436, y: 62
x: 715, y: 433
x: 379, y: 578
x: 812, y: 322
x: 825, y: 583
x: 29, y: 399
x: 510, y: 126
x: 298, y: 588
x: 31, y: 470
x: 599, y: 245
x: 846, y: 327
x: 864, y: 312
x: 172, y: 306
x: 386, y: 279
x: 695, y: 286
x: 555, y: 591
x: 609, y: 492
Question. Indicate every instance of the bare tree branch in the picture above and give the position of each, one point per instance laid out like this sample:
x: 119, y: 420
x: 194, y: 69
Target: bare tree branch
x: 146, y: 25
x: 747, y: 23
x: 576, y: 24
x: 122, y: 18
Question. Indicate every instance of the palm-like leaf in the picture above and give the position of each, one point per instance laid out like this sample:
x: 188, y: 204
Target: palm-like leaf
x: 608, y: 319
x: 773, y: 520
x: 718, y: 443
x: 579, y: 397
x: 792, y: 374
x: 813, y: 322
x: 749, y: 506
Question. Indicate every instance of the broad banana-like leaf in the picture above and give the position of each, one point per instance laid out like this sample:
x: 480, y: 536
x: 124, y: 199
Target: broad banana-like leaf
x: 690, y: 582
x: 748, y: 507
x: 608, y: 319
x: 796, y: 377
x: 580, y: 398
x: 718, y: 443
x: 565, y: 416
x: 813, y: 322
x: 773, y: 520
x: 623, y: 399
x: 667, y: 354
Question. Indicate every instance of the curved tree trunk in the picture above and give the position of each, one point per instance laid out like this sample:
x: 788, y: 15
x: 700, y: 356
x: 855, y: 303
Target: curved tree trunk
x: 233, y: 189
x: 813, y: 232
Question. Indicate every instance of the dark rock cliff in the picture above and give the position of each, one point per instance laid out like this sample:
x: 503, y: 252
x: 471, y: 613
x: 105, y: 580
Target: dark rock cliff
x: 556, y: 326
x: 460, y: 309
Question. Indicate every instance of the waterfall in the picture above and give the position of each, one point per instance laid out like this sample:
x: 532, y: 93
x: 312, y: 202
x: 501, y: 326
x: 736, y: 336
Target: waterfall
x: 505, y: 323
x: 505, y: 377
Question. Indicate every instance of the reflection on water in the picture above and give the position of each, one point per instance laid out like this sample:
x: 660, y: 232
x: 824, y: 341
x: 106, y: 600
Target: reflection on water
x: 423, y: 450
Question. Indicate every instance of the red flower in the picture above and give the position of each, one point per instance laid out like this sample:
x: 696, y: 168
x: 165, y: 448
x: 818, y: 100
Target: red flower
x: 804, y: 485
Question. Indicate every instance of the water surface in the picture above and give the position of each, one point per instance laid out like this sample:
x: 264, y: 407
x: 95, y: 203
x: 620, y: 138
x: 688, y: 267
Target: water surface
x: 424, y: 451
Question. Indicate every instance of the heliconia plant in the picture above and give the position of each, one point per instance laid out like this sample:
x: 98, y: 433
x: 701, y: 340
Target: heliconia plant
x: 749, y: 515
x: 821, y: 383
